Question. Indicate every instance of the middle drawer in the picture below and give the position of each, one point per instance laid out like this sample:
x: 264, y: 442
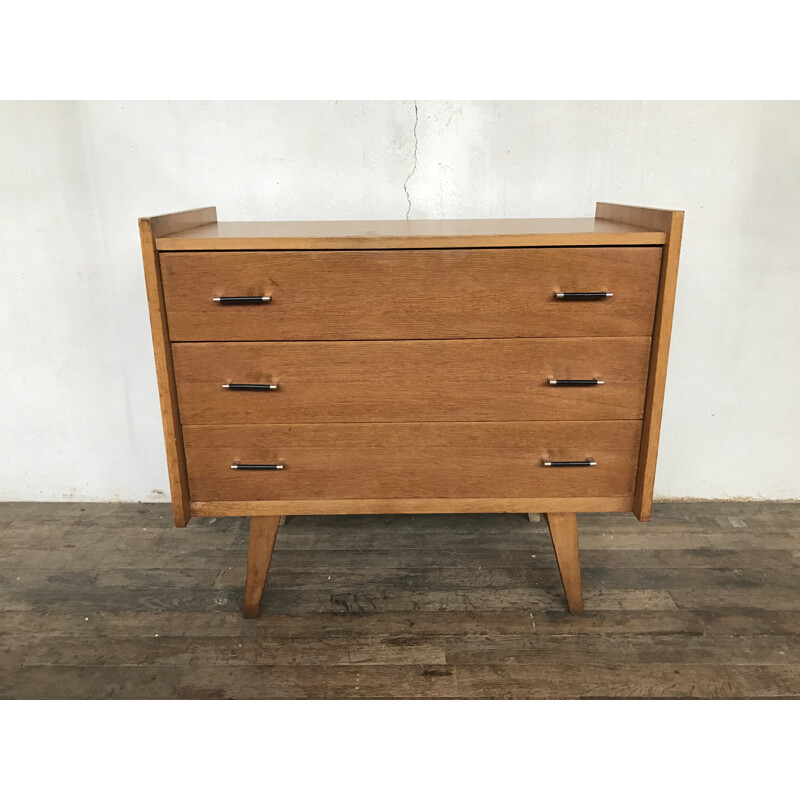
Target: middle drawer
x: 417, y: 381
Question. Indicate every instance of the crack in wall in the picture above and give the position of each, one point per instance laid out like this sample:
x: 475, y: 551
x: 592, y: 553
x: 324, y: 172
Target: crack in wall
x: 414, y: 167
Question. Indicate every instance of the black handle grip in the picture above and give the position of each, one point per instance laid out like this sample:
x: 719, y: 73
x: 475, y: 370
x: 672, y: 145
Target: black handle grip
x: 251, y: 387
x: 582, y: 295
x: 243, y: 301
x: 256, y: 466
x: 575, y: 382
x: 589, y: 462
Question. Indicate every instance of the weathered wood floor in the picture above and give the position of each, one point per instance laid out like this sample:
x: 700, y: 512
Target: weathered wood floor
x: 112, y: 601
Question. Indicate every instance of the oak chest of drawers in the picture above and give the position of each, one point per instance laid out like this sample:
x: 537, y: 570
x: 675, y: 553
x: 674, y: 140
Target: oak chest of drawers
x: 411, y: 367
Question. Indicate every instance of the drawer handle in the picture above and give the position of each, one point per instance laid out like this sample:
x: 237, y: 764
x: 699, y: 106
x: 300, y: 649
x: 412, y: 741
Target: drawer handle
x: 575, y: 382
x: 242, y: 301
x: 256, y: 466
x: 589, y: 462
x: 582, y: 295
x: 251, y: 387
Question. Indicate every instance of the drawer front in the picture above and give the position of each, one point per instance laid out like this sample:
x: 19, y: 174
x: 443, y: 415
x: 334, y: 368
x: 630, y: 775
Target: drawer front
x: 410, y: 294
x: 448, y: 381
x: 423, y: 460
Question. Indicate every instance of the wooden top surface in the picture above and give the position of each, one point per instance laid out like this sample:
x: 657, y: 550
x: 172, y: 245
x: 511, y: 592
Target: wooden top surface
x: 380, y: 234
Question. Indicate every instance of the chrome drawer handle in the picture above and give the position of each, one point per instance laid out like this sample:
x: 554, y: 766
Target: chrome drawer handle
x: 256, y: 466
x: 575, y: 382
x: 242, y: 301
x: 589, y: 462
x: 251, y: 387
x: 582, y: 295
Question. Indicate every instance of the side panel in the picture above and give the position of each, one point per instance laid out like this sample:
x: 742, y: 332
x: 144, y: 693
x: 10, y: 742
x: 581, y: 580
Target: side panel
x: 671, y: 222
x: 149, y: 229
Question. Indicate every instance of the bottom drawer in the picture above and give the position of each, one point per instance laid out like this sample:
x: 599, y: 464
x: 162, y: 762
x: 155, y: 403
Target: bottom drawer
x: 405, y: 460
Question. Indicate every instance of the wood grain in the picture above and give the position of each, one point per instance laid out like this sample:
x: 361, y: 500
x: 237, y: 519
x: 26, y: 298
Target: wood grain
x: 404, y: 681
x: 459, y: 380
x: 418, y: 606
x: 564, y: 534
x: 149, y: 229
x: 263, y: 531
x: 429, y: 233
x: 430, y: 505
x: 725, y: 621
x: 420, y: 294
x: 404, y: 460
x: 671, y: 222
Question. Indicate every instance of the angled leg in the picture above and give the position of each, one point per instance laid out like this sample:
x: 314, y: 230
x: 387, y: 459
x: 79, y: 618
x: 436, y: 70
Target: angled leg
x: 263, y: 531
x: 564, y: 533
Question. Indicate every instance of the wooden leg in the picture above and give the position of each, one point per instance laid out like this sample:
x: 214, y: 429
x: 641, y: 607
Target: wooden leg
x: 564, y: 533
x: 263, y: 531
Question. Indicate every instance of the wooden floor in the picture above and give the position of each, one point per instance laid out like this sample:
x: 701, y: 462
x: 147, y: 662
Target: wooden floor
x: 112, y: 601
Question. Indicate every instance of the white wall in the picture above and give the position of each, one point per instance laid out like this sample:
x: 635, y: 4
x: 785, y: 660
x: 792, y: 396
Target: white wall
x: 79, y: 415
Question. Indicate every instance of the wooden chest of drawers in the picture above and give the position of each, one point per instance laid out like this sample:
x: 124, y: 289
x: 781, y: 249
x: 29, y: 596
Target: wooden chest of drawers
x: 411, y: 367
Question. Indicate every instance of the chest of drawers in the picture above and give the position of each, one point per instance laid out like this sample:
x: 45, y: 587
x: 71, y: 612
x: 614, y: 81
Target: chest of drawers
x: 411, y: 367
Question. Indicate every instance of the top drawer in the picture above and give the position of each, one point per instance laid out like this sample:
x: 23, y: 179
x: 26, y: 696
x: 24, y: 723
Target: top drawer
x: 411, y: 294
